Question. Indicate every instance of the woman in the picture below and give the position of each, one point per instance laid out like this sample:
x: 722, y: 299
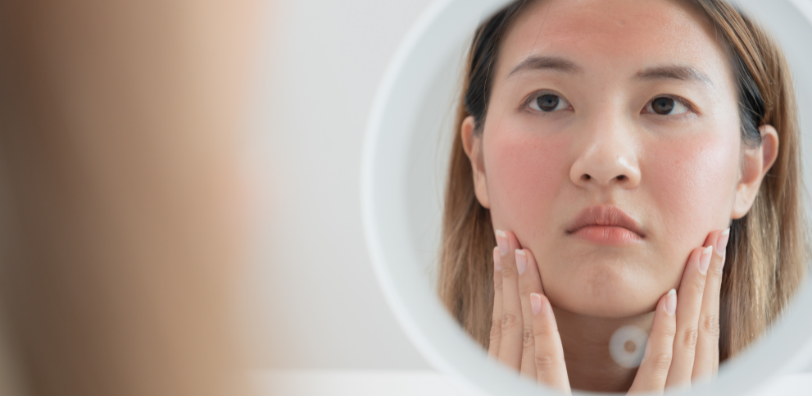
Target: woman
x: 121, y: 196
x: 622, y: 164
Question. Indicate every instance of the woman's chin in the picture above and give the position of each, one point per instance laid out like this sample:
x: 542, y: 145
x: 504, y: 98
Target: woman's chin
x: 607, y: 289
x: 609, y: 302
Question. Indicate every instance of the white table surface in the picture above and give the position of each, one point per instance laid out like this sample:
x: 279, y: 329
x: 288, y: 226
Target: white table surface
x: 422, y: 383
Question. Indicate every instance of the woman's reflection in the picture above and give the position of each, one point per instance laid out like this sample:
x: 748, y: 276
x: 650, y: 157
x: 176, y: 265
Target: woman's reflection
x: 624, y: 203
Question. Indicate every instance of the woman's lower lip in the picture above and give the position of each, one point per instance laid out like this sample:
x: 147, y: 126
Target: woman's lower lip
x: 607, y: 235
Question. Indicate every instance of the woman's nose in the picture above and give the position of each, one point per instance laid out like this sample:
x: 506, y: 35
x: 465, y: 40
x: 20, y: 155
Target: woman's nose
x: 607, y: 155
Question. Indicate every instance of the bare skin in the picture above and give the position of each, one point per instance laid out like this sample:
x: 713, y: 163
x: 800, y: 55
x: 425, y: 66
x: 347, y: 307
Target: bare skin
x: 122, y: 197
x: 683, y: 174
x: 684, y: 327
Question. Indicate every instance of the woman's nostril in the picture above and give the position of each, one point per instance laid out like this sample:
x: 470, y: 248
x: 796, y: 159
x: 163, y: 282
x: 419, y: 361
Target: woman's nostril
x: 620, y: 178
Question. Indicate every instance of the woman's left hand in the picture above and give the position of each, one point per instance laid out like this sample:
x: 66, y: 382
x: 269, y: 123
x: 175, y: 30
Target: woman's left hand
x: 684, y: 341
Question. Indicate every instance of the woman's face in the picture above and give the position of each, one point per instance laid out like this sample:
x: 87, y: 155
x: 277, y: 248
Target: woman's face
x: 627, y: 104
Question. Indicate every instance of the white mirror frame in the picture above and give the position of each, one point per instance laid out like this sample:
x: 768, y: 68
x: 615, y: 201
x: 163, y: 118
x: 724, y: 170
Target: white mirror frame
x: 401, y: 270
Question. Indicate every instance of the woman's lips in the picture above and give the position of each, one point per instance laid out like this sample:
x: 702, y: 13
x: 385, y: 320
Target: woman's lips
x: 607, y: 235
x: 605, y: 225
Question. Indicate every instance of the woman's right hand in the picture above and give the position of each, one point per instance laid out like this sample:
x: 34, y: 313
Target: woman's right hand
x: 524, y: 334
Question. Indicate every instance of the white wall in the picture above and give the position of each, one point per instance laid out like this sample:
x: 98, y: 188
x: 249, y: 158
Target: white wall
x: 318, y: 300
x: 316, y: 303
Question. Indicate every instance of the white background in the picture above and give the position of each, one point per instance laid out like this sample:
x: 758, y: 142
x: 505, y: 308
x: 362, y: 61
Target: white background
x: 315, y: 303
x: 319, y: 304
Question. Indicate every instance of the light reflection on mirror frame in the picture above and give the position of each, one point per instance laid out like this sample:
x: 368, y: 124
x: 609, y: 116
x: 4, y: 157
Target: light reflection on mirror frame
x: 404, y: 158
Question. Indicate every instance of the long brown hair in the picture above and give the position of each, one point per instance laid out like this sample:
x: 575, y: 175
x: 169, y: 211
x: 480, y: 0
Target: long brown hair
x: 768, y: 249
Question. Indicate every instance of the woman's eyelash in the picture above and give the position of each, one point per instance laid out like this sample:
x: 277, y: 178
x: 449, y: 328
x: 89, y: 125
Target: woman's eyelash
x: 689, y: 107
x: 533, y: 96
x: 556, y: 100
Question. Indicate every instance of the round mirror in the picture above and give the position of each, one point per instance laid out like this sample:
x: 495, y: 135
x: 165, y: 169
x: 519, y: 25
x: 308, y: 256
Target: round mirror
x: 414, y: 122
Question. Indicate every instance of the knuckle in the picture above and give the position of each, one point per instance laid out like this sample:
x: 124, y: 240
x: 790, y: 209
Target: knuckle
x: 698, y: 286
x: 661, y: 363
x: 716, y: 269
x: 669, y: 330
x: 496, y: 329
x: 710, y: 325
x: 689, y: 338
x: 509, y: 320
x: 527, y: 337
x: 497, y: 283
x: 508, y: 271
x: 544, y: 362
x: 542, y: 332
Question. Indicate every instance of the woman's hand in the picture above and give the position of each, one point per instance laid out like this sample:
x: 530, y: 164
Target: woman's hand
x: 684, y: 341
x: 524, y: 334
x: 683, y: 344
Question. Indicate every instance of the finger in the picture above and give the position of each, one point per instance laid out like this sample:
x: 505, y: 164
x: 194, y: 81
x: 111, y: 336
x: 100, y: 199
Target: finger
x: 551, y: 369
x: 653, y: 371
x: 496, y: 318
x: 510, y: 340
x: 529, y: 282
x: 706, y: 362
x: 691, y: 289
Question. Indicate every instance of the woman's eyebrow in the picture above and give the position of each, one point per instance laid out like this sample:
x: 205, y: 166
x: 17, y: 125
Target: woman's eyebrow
x: 676, y: 72
x: 553, y: 63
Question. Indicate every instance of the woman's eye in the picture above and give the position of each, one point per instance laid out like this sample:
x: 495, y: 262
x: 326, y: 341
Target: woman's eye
x: 548, y: 103
x: 667, y: 106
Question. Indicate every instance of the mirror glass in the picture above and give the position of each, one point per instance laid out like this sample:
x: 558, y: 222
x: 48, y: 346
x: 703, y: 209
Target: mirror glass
x: 610, y: 143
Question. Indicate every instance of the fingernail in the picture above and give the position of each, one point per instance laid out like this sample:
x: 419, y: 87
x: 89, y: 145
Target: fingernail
x: 671, y: 302
x: 721, y: 242
x: 502, y: 242
x: 535, y: 303
x: 704, y: 260
x: 521, y: 261
x: 497, y: 261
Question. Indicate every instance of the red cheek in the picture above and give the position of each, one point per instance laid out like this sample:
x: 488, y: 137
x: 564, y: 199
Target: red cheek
x: 691, y: 183
x: 525, y: 174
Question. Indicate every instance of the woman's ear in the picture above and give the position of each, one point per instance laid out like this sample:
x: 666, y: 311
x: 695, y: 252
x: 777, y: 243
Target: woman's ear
x: 472, y: 143
x: 756, y: 162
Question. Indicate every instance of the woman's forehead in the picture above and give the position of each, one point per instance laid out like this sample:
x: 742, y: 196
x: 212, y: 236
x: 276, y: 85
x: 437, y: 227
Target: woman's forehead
x: 616, y: 35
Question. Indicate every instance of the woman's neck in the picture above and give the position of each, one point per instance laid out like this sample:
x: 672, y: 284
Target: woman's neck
x: 586, y: 350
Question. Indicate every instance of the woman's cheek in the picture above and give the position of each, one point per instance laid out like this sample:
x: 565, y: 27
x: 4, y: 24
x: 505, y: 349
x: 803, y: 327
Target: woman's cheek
x: 692, y: 185
x: 525, y: 173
